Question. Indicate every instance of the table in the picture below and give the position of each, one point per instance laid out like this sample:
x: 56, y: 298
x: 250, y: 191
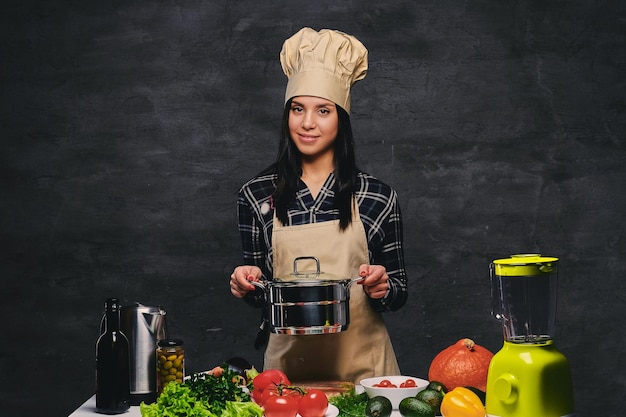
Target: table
x: 88, y: 409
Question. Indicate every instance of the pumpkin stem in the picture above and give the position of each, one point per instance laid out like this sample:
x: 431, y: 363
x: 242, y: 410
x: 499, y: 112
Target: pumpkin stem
x: 469, y: 344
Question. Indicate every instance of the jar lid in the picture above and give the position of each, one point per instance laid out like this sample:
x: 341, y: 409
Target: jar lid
x: 170, y: 342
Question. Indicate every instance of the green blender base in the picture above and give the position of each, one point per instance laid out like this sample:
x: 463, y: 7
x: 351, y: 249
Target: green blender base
x: 529, y: 380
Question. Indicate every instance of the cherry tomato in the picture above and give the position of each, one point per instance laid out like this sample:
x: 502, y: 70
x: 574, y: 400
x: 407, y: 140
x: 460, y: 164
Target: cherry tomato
x: 283, y: 406
x: 409, y: 383
x: 385, y: 383
x: 271, y: 377
x: 313, y: 404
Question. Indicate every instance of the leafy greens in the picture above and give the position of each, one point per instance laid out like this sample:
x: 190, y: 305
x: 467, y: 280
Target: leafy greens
x: 350, y: 404
x: 204, y: 395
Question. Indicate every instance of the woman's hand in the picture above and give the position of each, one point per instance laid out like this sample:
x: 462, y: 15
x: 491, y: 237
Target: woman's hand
x: 375, y: 282
x: 241, y: 277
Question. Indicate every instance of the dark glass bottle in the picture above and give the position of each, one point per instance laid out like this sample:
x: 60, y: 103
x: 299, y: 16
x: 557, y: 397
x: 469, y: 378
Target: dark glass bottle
x: 112, y: 364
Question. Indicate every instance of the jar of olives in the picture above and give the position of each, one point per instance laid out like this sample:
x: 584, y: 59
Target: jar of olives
x: 170, y: 362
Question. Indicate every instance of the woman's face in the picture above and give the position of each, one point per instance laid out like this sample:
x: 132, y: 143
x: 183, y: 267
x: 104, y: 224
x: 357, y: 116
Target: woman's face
x: 313, y: 125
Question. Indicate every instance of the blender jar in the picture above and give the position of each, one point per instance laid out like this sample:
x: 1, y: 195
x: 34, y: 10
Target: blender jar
x: 524, y: 294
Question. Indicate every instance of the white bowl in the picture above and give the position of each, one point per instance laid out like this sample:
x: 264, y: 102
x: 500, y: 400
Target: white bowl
x: 395, y: 395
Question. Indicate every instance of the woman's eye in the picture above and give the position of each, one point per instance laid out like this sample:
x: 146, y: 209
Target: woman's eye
x: 296, y: 109
x: 324, y: 111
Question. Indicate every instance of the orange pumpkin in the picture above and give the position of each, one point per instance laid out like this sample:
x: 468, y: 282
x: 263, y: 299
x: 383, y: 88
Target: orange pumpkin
x: 464, y: 364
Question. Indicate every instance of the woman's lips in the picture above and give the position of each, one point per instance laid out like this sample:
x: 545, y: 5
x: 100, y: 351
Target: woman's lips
x: 307, y: 138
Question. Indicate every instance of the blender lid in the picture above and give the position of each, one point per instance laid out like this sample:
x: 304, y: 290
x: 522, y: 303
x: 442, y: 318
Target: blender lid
x: 525, y: 265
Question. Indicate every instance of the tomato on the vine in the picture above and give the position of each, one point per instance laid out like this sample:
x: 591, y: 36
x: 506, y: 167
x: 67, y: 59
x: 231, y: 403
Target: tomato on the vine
x: 313, y: 404
x: 271, y: 377
x: 281, y: 406
x: 279, y: 391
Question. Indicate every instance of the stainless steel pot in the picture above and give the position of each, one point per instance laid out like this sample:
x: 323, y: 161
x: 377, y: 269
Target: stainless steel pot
x: 310, y: 302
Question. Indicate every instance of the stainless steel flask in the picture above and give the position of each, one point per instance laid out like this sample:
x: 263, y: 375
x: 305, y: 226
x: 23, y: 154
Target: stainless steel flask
x: 144, y: 326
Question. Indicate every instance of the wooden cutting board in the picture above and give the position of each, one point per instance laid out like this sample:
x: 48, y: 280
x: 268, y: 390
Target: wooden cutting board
x: 330, y: 388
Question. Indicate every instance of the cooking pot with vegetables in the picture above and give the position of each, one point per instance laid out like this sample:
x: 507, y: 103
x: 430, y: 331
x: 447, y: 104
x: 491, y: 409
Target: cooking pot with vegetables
x: 307, y: 302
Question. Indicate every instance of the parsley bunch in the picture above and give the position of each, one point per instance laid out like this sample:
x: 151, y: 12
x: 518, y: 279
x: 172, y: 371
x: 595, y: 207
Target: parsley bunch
x: 217, y: 390
x: 350, y: 404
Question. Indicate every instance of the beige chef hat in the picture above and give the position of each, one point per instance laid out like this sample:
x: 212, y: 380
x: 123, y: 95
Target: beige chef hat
x: 323, y: 64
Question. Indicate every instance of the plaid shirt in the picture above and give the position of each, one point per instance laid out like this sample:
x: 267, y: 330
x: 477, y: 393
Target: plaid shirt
x: 378, y: 209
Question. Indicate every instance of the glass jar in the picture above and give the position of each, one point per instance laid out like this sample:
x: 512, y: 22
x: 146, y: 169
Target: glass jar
x: 170, y: 362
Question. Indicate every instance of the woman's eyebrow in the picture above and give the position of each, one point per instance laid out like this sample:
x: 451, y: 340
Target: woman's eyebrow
x: 316, y: 106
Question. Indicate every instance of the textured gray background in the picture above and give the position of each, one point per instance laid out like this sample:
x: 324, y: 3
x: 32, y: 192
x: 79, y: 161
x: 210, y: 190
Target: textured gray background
x: 128, y: 126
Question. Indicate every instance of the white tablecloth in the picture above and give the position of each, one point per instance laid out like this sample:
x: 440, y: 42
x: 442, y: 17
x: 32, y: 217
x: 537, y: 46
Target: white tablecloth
x: 88, y: 409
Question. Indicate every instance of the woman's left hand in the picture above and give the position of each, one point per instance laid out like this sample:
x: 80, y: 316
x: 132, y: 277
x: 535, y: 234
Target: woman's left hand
x: 375, y: 283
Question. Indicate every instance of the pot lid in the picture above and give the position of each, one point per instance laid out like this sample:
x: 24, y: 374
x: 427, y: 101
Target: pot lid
x: 312, y: 275
x: 309, y: 276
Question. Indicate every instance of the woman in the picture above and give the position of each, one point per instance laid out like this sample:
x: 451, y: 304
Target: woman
x: 315, y: 202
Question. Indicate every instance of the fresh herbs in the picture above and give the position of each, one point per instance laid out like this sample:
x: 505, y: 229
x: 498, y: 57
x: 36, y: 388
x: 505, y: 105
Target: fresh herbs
x: 216, y: 389
x: 219, y: 393
x: 350, y: 404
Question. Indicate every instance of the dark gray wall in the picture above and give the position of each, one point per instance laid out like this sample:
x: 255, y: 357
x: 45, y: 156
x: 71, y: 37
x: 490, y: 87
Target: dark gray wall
x: 127, y: 128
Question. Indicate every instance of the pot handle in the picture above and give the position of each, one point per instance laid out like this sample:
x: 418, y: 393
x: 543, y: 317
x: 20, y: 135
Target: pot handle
x: 300, y: 258
x: 258, y: 284
x: 263, y: 287
x: 354, y: 280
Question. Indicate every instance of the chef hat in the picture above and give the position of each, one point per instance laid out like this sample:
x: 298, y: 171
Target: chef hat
x: 323, y: 64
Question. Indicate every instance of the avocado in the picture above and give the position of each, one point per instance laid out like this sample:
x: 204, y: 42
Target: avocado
x: 378, y: 406
x: 414, y: 407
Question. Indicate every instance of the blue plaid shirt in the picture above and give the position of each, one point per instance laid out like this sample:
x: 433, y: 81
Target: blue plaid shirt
x: 378, y: 209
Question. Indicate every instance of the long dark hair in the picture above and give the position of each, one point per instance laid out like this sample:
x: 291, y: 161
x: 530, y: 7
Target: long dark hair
x: 289, y: 163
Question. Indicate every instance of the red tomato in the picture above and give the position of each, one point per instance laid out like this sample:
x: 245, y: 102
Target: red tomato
x: 278, y: 391
x: 409, y: 383
x: 271, y: 377
x: 313, y: 404
x: 284, y: 406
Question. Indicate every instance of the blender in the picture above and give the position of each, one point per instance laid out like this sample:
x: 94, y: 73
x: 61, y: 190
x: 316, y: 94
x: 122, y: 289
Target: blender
x: 528, y: 377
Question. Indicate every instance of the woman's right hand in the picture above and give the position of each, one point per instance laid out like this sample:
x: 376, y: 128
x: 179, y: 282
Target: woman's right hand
x: 241, y: 277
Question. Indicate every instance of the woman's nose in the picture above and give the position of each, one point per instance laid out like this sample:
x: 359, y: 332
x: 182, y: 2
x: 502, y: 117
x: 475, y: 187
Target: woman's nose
x: 308, y: 121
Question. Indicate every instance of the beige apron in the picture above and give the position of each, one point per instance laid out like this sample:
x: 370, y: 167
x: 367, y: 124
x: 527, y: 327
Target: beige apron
x: 364, y: 350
